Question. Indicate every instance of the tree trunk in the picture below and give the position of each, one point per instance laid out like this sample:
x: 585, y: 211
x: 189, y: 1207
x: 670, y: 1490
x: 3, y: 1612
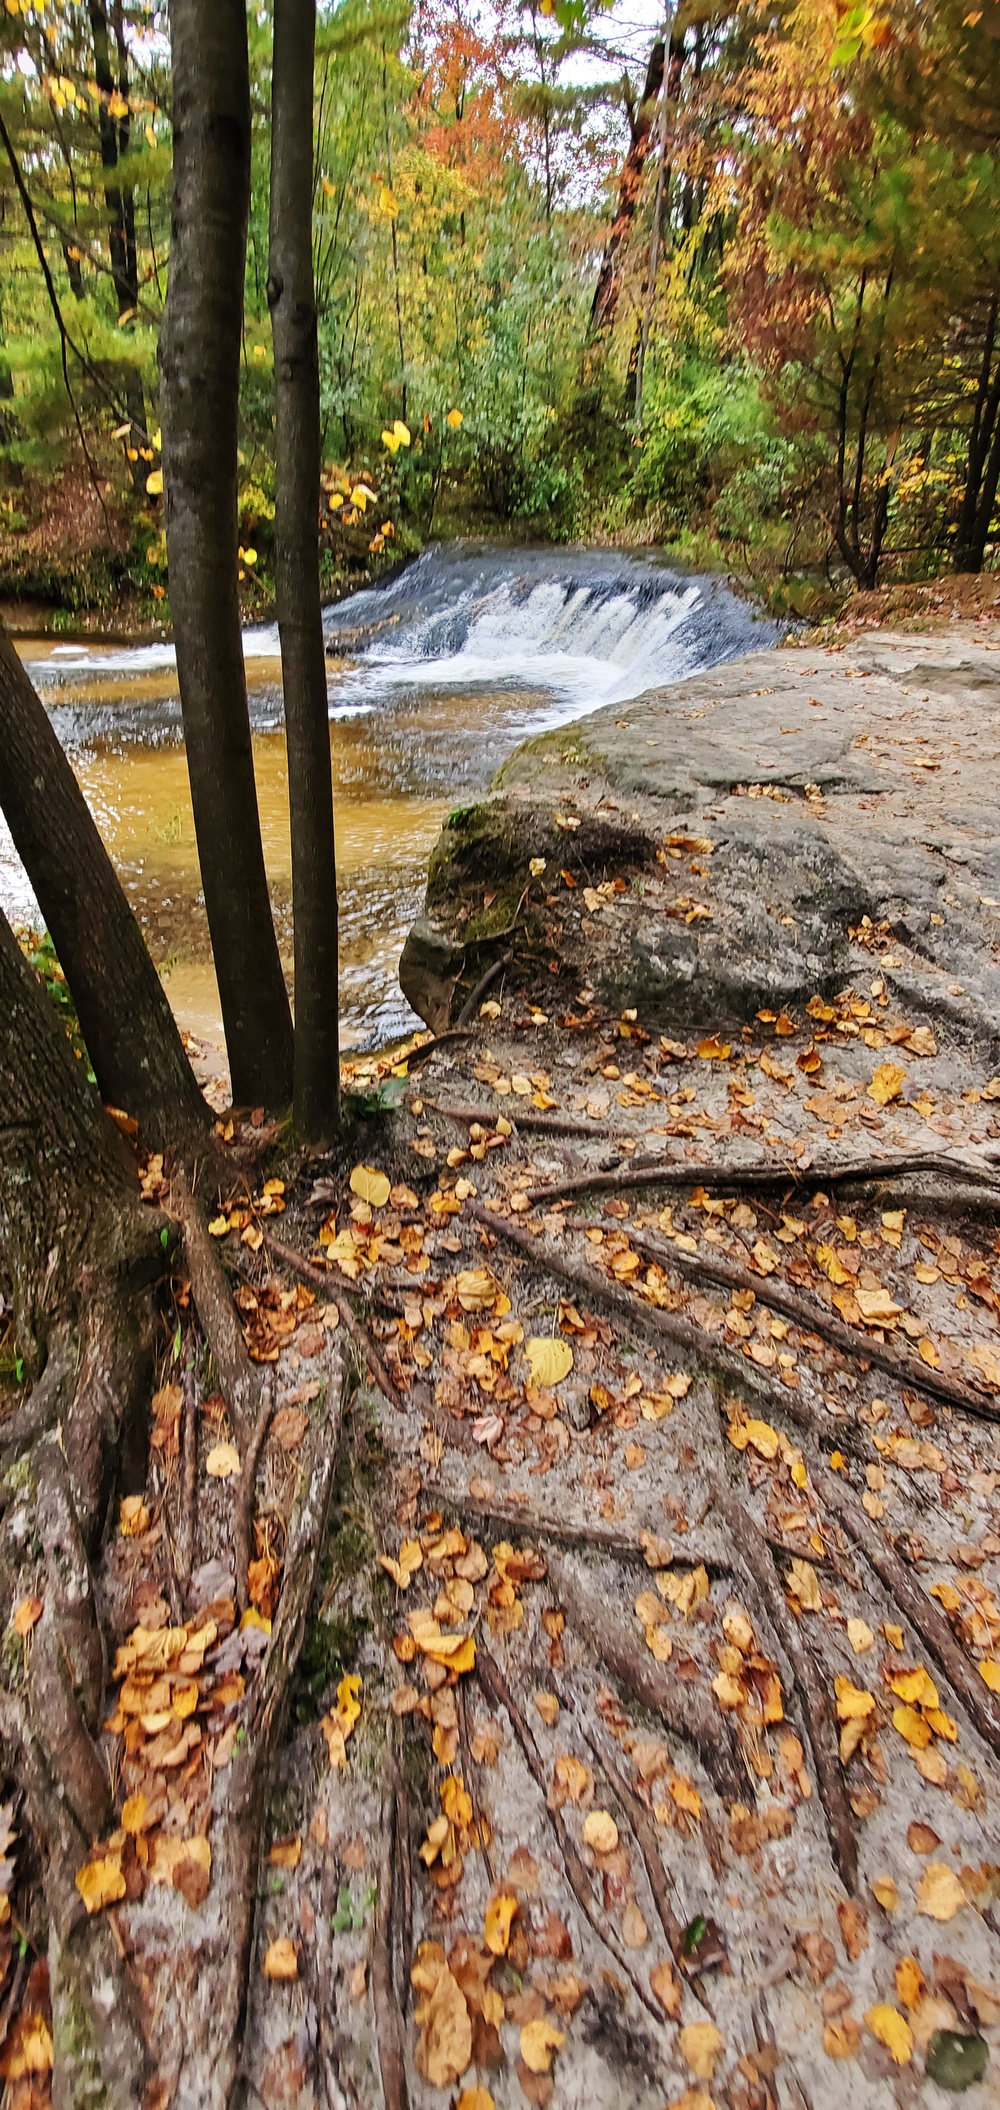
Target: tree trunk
x: 291, y: 299
x: 127, y: 1023
x: 115, y: 133
x: 605, y: 302
x: 200, y: 364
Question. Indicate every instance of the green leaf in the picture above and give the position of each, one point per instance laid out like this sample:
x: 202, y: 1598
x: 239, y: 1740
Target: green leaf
x: 954, y: 2061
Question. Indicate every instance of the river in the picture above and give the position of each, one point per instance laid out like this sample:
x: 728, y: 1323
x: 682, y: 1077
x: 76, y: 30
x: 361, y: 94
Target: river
x: 434, y: 678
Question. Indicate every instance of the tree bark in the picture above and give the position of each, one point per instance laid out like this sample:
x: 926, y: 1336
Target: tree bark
x: 115, y: 134
x: 81, y: 1255
x: 127, y: 1023
x: 291, y: 299
x: 199, y: 365
x: 605, y: 302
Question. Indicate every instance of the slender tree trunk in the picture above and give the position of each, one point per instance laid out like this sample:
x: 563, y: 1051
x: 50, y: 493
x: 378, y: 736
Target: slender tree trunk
x: 984, y: 424
x: 127, y: 1023
x: 291, y: 299
x: 115, y: 134
x: 200, y: 364
x: 605, y: 302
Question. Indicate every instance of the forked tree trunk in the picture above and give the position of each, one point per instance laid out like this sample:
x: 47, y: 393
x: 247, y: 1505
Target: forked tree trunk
x: 291, y: 298
x: 200, y: 366
x: 127, y: 1023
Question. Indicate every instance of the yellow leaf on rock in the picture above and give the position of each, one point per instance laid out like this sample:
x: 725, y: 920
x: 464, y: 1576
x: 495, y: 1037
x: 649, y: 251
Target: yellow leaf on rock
x: 912, y: 1726
x: 475, y: 2099
x: 860, y: 1636
x: 887, y: 1893
x: 370, y: 1186
x: 550, y: 1360
x: 916, y: 1687
x: 133, y: 1517
x: 701, y: 2044
x: 990, y: 1673
x: 281, y: 1962
x: 713, y: 1049
x: 600, y: 1831
x: 887, y: 1083
x: 892, y: 2029
x: 539, y: 2039
x: 939, y: 1893
x: 499, y: 1915
x: 29, y: 1612
x: 404, y: 1569
x: 909, y: 1981
x: 101, y: 1883
x: 444, y: 2047
x: 803, y: 1586
x: 853, y: 1703
x: 223, y: 1461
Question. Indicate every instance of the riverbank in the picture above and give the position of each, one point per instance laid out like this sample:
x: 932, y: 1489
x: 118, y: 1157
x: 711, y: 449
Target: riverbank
x: 743, y: 839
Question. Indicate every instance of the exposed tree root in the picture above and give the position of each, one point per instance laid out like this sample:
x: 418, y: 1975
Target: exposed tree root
x: 829, y: 1172
x: 683, y: 1709
x: 598, y: 1538
x: 210, y: 2068
x: 389, y: 2030
x: 245, y: 1494
x: 912, y: 1599
x: 187, y: 1522
x: 813, y: 1692
x: 499, y: 1694
x: 646, y: 1318
x: 360, y: 1338
x: 238, y: 1377
x: 813, y: 1317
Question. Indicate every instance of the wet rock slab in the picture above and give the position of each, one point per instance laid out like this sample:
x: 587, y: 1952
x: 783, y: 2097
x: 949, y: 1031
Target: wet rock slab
x: 807, y: 789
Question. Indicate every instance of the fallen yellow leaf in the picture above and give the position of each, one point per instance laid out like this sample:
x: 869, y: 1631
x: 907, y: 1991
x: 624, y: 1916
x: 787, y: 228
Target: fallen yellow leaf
x: 550, y: 1360
x: 281, y: 1962
x: 500, y: 1913
x: 539, y: 2039
x: 860, y: 1636
x: 223, y: 1461
x: 887, y: 1083
x: 101, y: 1882
x: 939, y: 1892
x: 600, y: 1831
x: 887, y: 1893
x: 370, y: 1186
x: 701, y: 2044
x: 891, y: 2028
x: 29, y: 1612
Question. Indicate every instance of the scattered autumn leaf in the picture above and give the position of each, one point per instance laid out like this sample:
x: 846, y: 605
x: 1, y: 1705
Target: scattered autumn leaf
x: 550, y: 1360
x: 29, y: 1611
x: 223, y: 1461
x: 539, y: 2039
x: 891, y: 2028
x: 281, y: 1962
x: 701, y: 2044
x: 939, y: 1893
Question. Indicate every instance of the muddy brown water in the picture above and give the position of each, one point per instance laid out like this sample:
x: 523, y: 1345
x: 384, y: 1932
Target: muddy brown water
x: 470, y: 652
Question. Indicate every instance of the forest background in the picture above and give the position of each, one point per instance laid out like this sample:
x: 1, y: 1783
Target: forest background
x: 737, y: 296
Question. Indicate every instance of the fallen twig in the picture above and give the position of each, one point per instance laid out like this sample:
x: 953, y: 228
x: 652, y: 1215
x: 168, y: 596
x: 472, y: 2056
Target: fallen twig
x: 499, y: 1694
x: 512, y: 1516
x: 486, y: 981
x: 550, y: 1124
x: 830, y: 1172
x: 813, y: 1317
x: 962, y: 1675
x: 818, y: 1718
x: 428, y: 1048
x: 683, y: 1708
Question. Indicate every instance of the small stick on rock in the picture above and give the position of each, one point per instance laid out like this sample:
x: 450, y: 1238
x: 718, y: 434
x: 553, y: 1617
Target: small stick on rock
x: 551, y: 1124
x: 486, y: 981
x: 361, y: 1339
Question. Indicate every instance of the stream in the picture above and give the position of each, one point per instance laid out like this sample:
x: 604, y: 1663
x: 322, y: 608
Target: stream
x: 434, y: 678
